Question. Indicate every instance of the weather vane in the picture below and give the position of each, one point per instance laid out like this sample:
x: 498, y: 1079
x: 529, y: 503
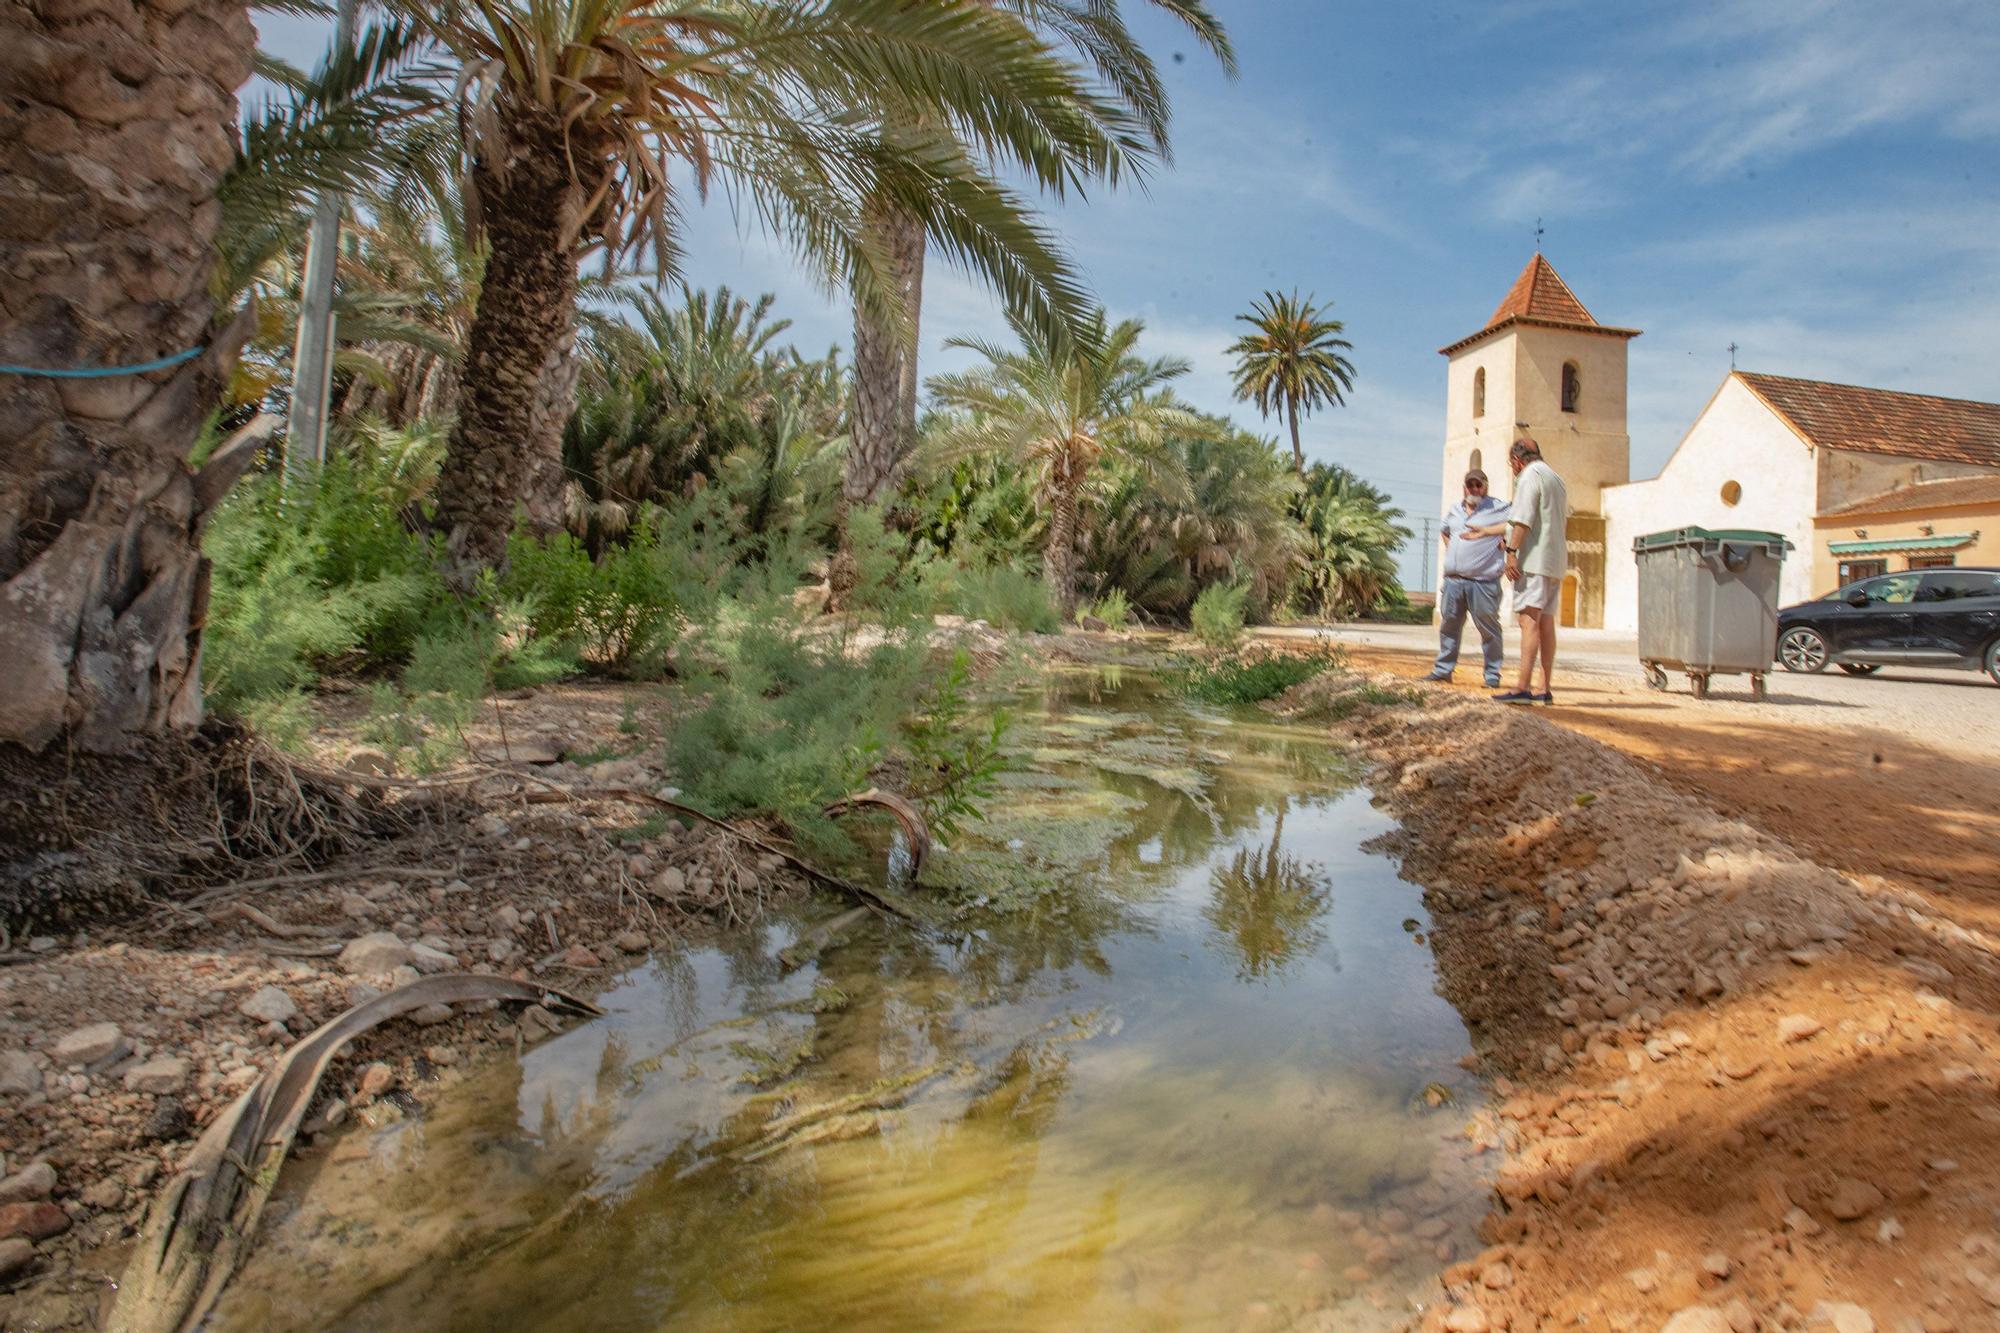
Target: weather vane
x: 1732, y: 354
x: 1538, y: 235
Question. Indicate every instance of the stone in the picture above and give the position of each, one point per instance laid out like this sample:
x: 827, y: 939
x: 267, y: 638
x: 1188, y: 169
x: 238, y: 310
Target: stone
x: 1740, y: 1064
x: 35, y: 1221
x: 578, y: 956
x: 268, y: 1004
x: 1853, y: 1199
x: 90, y: 1045
x: 1644, y: 1279
x: 1889, y: 1232
x: 161, y: 1074
x: 669, y: 883
x: 1466, y: 1319
x: 1841, y: 1317
x: 427, y: 958
x: 441, y: 1056
x: 1697, y: 1319
x: 1092, y: 623
x: 370, y: 761
x: 374, y: 954
x: 431, y: 1015
x: 1798, y: 1027
x: 104, y: 1195
x: 28, y: 1184
x: 330, y: 1114
x: 168, y: 1120
x: 1800, y: 1221
x: 15, y: 1256
x: 631, y: 941
x: 1496, y: 1277
x: 377, y: 1079
x: 1716, y: 1264
x: 19, y: 1073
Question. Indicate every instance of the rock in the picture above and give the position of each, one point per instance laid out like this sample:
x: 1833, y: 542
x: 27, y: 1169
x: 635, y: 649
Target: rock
x: 1841, y: 1317
x: 402, y: 976
x: 1716, y: 1264
x: 1466, y: 1319
x: 669, y: 883
x: 425, y: 958
x: 1798, y: 1027
x: 368, y: 760
x: 1853, y: 1199
x: 578, y: 956
x: 90, y: 1045
x: 28, y: 1184
x: 490, y: 826
x: 374, y: 954
x: 431, y: 1015
x: 1092, y: 623
x: 19, y: 1073
x: 35, y: 1221
x: 441, y: 1056
x: 1889, y: 1232
x: 104, y: 1195
x: 510, y: 917
x: 523, y: 750
x: 377, y: 1079
x: 1645, y: 1279
x: 1496, y: 1277
x: 1740, y: 1064
x: 15, y: 1256
x: 535, y: 1020
x: 631, y: 941
x: 329, y: 1114
x: 167, y: 1120
x: 1697, y: 1319
x: 268, y: 1004
x: 360, y: 992
x: 1800, y: 1221
x: 161, y: 1074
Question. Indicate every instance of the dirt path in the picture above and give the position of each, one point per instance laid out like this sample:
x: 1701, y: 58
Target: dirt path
x: 1742, y: 991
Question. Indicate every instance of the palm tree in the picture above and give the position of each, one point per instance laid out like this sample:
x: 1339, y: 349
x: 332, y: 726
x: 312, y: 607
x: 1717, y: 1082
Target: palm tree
x: 1059, y: 405
x: 885, y: 343
x: 102, y: 581
x: 579, y: 114
x: 1352, y: 534
x: 1293, y: 361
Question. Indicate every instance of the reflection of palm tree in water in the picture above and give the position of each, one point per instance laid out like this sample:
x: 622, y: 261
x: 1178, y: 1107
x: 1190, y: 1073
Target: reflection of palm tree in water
x: 1266, y: 905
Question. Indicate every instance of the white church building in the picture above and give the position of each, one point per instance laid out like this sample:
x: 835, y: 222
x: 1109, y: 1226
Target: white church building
x: 1768, y: 452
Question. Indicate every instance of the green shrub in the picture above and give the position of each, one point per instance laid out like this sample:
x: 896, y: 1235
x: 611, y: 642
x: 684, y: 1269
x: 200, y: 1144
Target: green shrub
x: 1252, y: 678
x: 1114, y: 609
x: 1217, y: 617
x: 619, y: 612
x: 955, y: 764
x: 1005, y: 598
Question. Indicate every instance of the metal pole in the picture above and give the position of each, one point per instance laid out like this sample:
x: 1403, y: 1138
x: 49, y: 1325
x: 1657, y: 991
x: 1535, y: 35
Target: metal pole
x: 1427, y: 554
x: 312, y: 360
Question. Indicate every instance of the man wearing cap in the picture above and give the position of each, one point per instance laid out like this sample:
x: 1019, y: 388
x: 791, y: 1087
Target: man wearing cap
x: 1537, y: 551
x: 1472, y: 533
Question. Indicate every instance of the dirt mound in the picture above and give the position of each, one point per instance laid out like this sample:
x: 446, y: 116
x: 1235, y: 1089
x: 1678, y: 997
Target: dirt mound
x: 1728, y: 1076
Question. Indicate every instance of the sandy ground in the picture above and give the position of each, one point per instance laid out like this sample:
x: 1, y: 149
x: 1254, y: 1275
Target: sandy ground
x: 1734, y: 966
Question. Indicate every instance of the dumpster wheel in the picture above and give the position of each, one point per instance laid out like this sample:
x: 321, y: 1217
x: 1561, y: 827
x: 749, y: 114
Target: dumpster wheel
x: 1698, y: 682
x: 1757, y: 686
x: 1655, y: 677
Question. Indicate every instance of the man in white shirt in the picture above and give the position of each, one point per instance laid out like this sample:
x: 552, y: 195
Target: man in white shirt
x: 1537, y: 551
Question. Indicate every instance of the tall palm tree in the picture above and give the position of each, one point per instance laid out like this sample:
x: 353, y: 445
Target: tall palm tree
x: 580, y: 113
x: 885, y: 342
x: 1061, y: 404
x: 1293, y: 361
x: 1352, y: 534
x: 130, y: 176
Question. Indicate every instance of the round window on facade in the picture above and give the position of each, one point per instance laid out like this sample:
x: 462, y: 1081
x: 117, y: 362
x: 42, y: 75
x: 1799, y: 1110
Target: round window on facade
x: 1732, y: 491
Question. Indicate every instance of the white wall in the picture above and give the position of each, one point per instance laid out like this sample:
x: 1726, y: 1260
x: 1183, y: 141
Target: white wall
x: 1736, y: 438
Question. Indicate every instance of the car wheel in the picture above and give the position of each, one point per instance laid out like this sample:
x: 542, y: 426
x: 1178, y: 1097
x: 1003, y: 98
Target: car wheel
x: 1861, y: 668
x: 1993, y: 661
x: 1802, y: 649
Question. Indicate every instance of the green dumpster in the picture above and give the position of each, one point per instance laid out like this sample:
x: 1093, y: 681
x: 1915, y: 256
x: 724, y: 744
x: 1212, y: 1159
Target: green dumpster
x: 1708, y: 604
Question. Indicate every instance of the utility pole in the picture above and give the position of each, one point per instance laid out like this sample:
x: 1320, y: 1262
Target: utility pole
x: 312, y: 358
x: 1427, y: 552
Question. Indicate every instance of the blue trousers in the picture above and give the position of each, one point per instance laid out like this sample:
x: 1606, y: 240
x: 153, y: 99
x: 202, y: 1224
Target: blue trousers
x: 1481, y: 597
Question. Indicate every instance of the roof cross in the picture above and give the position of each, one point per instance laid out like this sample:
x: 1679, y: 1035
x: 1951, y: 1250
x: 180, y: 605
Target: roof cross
x: 1732, y: 354
x: 1538, y: 235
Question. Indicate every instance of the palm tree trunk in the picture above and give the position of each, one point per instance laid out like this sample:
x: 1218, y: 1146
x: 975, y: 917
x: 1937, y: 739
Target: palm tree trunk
x: 527, y: 300
x: 555, y: 403
x: 117, y: 122
x: 883, y: 412
x: 1059, y: 564
x: 1298, y: 454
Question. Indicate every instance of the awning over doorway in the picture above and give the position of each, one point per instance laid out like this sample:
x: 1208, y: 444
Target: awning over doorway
x: 1944, y: 542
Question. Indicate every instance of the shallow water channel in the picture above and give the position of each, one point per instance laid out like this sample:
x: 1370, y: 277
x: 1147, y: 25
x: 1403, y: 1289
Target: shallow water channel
x: 1175, y: 1061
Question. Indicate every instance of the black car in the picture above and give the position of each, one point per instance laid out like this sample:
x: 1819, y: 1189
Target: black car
x: 1947, y: 618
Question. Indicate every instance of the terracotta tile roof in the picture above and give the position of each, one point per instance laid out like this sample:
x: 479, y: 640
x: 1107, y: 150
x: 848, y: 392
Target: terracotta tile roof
x: 1540, y: 296
x: 1883, y: 421
x: 1951, y: 493
x: 1540, y: 293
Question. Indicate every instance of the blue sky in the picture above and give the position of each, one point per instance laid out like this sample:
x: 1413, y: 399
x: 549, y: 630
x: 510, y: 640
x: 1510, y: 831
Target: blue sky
x: 1814, y: 180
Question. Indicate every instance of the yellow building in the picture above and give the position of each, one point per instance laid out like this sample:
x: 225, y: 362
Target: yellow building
x: 1924, y: 526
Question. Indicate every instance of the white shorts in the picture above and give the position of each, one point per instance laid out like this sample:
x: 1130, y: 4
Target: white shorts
x: 1536, y: 592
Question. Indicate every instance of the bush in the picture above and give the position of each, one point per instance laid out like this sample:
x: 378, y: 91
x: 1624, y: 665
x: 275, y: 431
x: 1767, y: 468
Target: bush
x: 1006, y: 599
x: 1251, y: 679
x: 1114, y: 609
x: 619, y: 612
x: 1217, y: 617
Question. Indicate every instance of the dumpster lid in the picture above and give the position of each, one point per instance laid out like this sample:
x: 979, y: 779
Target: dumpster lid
x: 1692, y: 536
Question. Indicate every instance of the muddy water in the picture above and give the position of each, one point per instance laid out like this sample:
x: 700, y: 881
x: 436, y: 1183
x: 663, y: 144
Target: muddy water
x: 1173, y: 1061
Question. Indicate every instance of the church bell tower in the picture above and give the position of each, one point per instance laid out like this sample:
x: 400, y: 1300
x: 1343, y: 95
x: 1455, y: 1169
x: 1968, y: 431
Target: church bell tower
x: 1545, y: 368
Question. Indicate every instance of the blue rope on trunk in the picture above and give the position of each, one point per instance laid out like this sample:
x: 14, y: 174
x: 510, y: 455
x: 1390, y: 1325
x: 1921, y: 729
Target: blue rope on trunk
x: 105, y: 372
